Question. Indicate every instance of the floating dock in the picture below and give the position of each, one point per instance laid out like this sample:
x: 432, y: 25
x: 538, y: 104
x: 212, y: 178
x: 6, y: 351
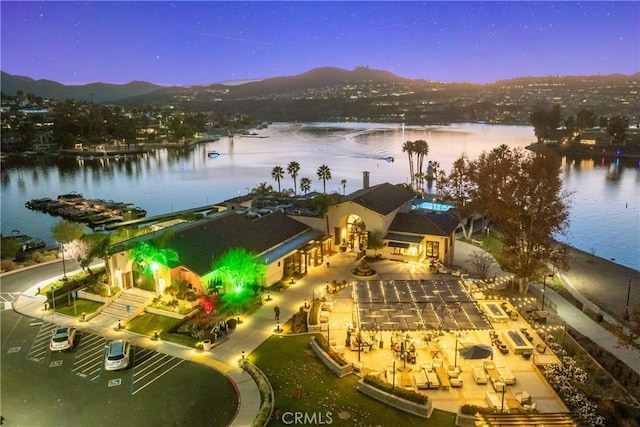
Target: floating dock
x: 95, y: 213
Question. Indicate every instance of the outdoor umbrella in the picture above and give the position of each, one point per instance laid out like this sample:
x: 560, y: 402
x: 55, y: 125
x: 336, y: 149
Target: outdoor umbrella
x: 476, y: 351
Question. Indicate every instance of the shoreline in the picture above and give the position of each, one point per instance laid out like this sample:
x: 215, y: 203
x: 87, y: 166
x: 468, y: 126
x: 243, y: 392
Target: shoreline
x: 603, y: 282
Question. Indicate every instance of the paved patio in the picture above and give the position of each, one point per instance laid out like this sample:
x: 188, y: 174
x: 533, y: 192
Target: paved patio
x: 362, y: 301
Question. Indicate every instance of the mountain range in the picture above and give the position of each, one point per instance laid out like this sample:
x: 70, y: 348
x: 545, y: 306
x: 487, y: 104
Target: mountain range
x: 330, y: 92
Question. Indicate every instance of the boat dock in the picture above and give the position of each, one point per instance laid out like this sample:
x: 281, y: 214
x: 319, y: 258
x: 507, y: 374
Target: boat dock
x: 95, y: 213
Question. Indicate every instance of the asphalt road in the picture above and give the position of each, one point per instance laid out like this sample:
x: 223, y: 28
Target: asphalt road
x: 41, y: 388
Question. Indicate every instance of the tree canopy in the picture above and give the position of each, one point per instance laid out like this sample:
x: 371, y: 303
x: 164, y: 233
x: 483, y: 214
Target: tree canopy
x: 523, y: 196
x: 66, y: 231
x: 239, y: 268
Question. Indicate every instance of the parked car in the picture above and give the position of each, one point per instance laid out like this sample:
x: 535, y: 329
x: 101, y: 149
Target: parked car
x: 63, y: 338
x: 118, y: 355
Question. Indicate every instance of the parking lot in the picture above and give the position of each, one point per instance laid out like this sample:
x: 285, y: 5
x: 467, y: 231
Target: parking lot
x: 72, y: 388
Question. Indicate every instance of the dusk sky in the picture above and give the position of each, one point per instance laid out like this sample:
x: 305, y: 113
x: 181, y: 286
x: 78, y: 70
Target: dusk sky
x: 187, y: 43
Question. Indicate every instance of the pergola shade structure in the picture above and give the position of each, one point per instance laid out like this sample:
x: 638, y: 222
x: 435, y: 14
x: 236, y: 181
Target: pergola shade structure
x: 412, y: 305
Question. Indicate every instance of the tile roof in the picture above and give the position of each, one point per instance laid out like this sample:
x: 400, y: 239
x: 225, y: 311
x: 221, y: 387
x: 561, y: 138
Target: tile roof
x: 382, y: 198
x: 425, y: 223
x: 202, y: 242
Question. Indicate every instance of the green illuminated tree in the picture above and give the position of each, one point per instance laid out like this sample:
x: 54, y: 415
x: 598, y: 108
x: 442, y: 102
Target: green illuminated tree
x: 238, y: 268
x: 146, y: 255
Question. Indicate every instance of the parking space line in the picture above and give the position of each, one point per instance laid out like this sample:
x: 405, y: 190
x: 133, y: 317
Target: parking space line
x: 156, y: 378
x: 88, y: 360
x: 40, y: 344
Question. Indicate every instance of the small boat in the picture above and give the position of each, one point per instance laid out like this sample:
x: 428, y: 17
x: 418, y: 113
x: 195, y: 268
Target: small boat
x: 213, y: 154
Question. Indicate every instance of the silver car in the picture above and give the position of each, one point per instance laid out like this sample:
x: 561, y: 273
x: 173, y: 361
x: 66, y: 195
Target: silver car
x: 63, y: 338
x: 118, y: 355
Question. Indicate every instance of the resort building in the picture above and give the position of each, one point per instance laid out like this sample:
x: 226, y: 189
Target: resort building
x: 289, y: 241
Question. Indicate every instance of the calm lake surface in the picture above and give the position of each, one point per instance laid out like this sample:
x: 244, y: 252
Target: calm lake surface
x: 604, y: 212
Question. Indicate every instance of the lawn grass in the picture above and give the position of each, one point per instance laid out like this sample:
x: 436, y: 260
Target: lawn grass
x: 288, y: 361
x: 81, y: 306
x: 147, y: 324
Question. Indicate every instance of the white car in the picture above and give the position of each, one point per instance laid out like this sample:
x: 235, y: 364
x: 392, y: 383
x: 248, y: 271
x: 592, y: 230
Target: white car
x: 63, y: 338
x: 118, y: 355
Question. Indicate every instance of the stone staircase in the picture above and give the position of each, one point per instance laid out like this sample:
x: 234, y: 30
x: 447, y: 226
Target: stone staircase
x: 134, y: 298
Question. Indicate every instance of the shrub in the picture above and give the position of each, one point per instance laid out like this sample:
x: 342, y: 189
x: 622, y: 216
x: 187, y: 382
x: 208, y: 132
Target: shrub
x: 324, y: 344
x: 265, y: 392
x: 396, y: 391
x: 474, y: 409
x: 7, y: 265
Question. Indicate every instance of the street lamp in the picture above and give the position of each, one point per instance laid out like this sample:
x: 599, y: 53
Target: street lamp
x: 626, y: 311
x: 455, y: 355
x: 544, y: 287
x: 64, y: 267
x: 503, y: 389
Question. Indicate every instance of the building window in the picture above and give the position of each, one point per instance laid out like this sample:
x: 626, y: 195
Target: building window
x: 399, y: 251
x: 433, y: 249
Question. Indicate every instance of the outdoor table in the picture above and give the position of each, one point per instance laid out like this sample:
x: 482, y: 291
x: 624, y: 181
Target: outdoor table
x: 443, y: 378
x: 405, y: 380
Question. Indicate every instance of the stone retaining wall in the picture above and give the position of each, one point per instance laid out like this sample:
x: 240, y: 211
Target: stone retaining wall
x: 324, y: 357
x: 421, y: 410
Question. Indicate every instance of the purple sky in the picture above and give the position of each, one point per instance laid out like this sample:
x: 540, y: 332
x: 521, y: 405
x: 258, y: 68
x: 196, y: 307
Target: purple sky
x: 186, y: 43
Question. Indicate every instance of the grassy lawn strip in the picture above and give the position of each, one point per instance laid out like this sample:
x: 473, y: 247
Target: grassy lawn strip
x: 82, y: 305
x: 147, y: 323
x: 288, y: 361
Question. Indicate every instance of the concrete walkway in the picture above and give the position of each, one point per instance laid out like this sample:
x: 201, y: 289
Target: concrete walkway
x: 586, y: 326
x: 253, y: 330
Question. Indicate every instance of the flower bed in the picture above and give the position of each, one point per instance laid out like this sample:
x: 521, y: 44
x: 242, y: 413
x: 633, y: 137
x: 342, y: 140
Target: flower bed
x: 340, y: 368
x: 405, y: 400
x: 562, y: 376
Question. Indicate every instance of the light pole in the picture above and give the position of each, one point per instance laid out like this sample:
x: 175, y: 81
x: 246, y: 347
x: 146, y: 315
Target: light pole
x: 544, y: 287
x: 455, y: 355
x: 64, y: 267
x: 503, y: 388
x: 626, y: 311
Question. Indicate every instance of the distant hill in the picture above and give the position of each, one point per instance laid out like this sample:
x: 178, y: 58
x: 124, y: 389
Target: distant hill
x: 98, y: 92
x: 330, y: 93
x: 136, y: 91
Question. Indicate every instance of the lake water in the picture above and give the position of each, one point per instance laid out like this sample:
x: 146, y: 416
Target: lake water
x: 604, y: 214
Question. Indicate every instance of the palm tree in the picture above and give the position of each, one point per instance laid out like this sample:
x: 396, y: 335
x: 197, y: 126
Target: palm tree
x: 407, y: 147
x: 324, y: 173
x: 305, y: 184
x: 344, y: 184
x: 421, y: 149
x: 263, y: 189
x: 293, y: 168
x: 277, y: 173
x: 150, y: 258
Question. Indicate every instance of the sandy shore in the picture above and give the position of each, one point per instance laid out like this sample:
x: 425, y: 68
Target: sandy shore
x: 603, y: 282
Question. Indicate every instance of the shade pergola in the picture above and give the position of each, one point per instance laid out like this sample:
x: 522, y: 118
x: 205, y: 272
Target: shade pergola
x: 411, y: 305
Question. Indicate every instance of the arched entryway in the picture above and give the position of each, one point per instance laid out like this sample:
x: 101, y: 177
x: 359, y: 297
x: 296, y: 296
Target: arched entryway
x: 352, y: 234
